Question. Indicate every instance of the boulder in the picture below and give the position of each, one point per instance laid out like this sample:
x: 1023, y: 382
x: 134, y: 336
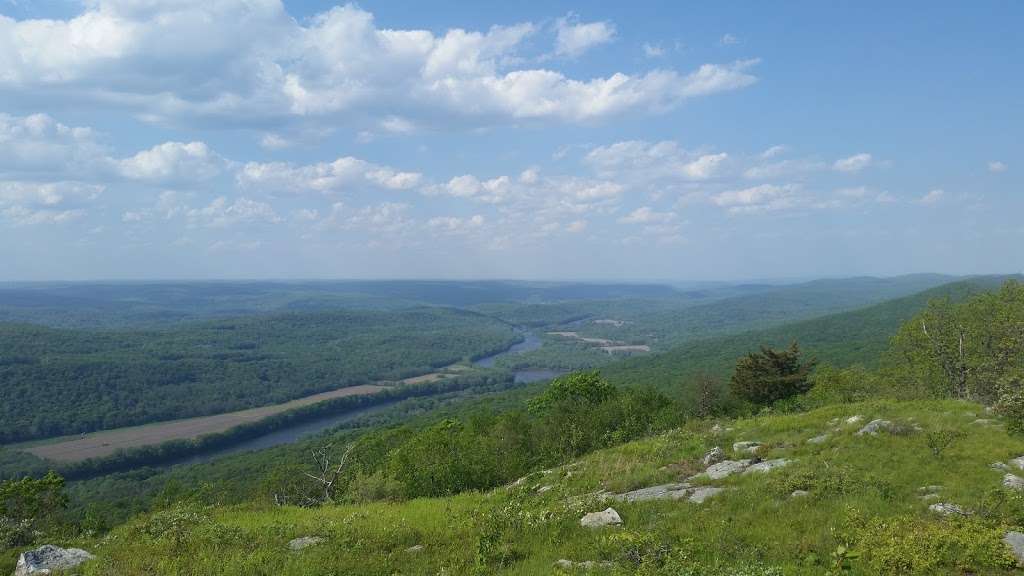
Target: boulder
x: 47, y: 559
x: 1013, y: 482
x: 713, y: 456
x: 746, y: 446
x: 701, y: 494
x: 818, y: 439
x: 767, y: 465
x: 1018, y: 462
x: 1015, y: 541
x: 661, y: 492
x: 947, y: 509
x: 304, y: 542
x: 608, y: 517
x: 876, y: 426
x: 726, y: 468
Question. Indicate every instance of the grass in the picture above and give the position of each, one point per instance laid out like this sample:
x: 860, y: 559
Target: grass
x: 864, y: 496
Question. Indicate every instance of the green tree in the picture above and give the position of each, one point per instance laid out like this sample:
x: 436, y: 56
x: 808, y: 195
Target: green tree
x: 770, y: 375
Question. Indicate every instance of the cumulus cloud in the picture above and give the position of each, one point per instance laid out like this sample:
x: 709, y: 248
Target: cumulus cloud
x: 640, y: 160
x: 854, y: 163
x: 223, y: 213
x: 38, y: 144
x: 250, y: 63
x: 172, y: 162
x: 932, y: 197
x: 763, y: 198
x: 574, y: 38
x: 646, y: 215
x: 456, y: 225
x: 325, y: 177
x: 27, y: 203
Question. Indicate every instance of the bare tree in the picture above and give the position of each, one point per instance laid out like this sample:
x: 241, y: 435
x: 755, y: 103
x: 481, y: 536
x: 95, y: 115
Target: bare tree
x: 324, y: 480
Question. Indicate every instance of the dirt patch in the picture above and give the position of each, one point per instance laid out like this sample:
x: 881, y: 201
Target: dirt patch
x: 107, y: 442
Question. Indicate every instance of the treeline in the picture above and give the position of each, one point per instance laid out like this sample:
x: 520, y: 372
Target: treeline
x: 58, y: 382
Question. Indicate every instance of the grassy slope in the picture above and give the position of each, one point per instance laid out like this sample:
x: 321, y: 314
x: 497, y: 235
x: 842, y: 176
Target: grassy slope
x: 755, y: 522
x: 855, y: 337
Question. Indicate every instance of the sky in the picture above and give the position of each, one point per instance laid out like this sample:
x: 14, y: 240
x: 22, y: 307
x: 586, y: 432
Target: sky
x: 151, y: 139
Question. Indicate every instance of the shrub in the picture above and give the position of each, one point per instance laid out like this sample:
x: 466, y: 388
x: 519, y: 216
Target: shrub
x: 1011, y: 402
x: 906, y: 545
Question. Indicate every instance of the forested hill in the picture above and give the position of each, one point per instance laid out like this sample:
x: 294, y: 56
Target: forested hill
x: 846, y: 338
x: 62, y: 381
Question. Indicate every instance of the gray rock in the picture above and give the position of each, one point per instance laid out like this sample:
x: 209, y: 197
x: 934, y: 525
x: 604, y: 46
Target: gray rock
x: 984, y: 422
x: 415, y: 549
x: 854, y: 419
x: 767, y: 465
x: 726, y: 468
x: 701, y: 494
x: 48, y: 558
x: 661, y: 492
x: 947, y: 509
x: 818, y: 439
x: 544, y: 489
x: 999, y: 467
x: 584, y: 565
x: 876, y: 426
x: 1018, y: 462
x: 929, y: 497
x: 1013, y: 482
x: 713, y: 456
x: 608, y: 517
x: 1015, y: 540
x: 746, y: 446
x: 799, y: 494
x: 304, y: 542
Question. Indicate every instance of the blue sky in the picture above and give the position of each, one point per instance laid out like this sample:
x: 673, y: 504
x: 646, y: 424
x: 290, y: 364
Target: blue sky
x: 612, y: 140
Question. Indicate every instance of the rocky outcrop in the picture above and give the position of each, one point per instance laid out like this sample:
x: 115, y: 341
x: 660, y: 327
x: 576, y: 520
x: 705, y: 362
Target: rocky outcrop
x: 1013, y: 482
x: 703, y: 493
x: 767, y: 465
x: 607, y: 517
x: 876, y: 426
x: 660, y: 492
x: 304, y: 542
x: 726, y: 468
x: 818, y: 439
x: 1015, y: 541
x: 746, y: 447
x: 713, y: 456
x: 48, y: 559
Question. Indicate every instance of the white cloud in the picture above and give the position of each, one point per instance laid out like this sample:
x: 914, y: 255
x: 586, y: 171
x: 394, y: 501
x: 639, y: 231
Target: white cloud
x: 641, y: 161
x: 574, y: 38
x: 729, y: 40
x: 854, y: 163
x: 274, y: 142
x: 997, y: 166
x: 172, y: 162
x: 456, y: 225
x: 783, y: 168
x: 932, y: 197
x: 397, y: 125
x: 38, y: 144
x: 325, y: 177
x: 576, y: 226
x: 646, y: 215
x: 29, y: 203
x: 773, y: 152
x: 766, y: 197
x: 653, y: 50
x: 222, y: 213
x: 249, y: 62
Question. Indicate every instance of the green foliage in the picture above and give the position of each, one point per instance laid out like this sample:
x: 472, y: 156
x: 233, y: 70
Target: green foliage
x: 587, y: 388
x: 961, y: 350
x: 1010, y: 402
x: 939, y: 440
x: 832, y: 385
x: 32, y: 499
x: 768, y: 376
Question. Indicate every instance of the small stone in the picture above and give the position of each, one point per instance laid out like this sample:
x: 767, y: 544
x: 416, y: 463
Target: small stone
x: 999, y: 467
x: 48, y: 559
x: 984, y: 421
x: 415, y: 549
x: 854, y: 419
x: 1015, y: 540
x: 1018, y: 462
x: 304, y: 542
x: 947, y: 509
x: 726, y: 468
x: 746, y: 446
x: 584, y: 565
x: 929, y: 489
x: 767, y: 465
x: 1013, y: 482
x: 713, y: 456
x: 701, y: 494
x: 799, y: 494
x: 544, y: 489
x: 875, y: 426
x: 607, y: 517
x: 818, y: 439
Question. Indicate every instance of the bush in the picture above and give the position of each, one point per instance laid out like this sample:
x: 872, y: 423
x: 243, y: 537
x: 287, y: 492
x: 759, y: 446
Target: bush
x: 1011, y: 402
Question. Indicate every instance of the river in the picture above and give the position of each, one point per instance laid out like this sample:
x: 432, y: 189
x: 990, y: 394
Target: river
x: 298, y: 431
